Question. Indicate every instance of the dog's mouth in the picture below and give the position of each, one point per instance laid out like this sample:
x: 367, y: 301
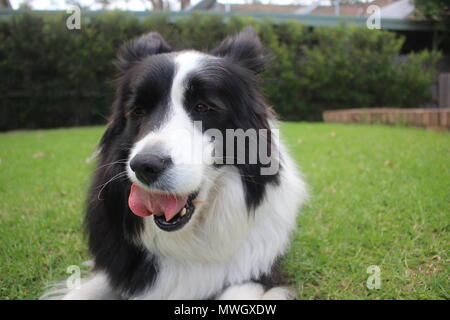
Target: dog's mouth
x: 171, y: 212
x: 180, y: 219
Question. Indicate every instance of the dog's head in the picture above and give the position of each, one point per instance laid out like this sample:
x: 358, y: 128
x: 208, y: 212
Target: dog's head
x: 172, y: 114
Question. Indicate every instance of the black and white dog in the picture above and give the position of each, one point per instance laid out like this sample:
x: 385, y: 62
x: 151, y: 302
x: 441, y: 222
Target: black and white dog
x: 172, y: 212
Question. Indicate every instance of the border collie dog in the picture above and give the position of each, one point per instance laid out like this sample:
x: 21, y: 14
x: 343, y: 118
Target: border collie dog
x: 175, y: 212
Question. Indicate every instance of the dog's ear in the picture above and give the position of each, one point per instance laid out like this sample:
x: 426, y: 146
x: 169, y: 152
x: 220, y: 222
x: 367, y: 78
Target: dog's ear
x: 146, y: 45
x: 245, y: 48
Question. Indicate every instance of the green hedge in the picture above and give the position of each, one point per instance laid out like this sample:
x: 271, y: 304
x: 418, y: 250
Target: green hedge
x: 52, y: 77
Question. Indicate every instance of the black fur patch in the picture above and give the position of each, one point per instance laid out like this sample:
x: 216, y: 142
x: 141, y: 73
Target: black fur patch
x: 110, y: 224
x: 231, y: 92
x: 274, y: 278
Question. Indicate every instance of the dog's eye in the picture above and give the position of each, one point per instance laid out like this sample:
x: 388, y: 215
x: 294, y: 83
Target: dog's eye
x: 138, y: 111
x: 201, y: 108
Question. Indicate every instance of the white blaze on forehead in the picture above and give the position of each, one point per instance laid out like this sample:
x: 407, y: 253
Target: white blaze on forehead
x: 176, y: 135
x: 185, y: 63
x: 189, y: 140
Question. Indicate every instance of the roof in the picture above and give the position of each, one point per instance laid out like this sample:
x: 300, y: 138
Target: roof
x: 351, y: 10
x: 257, y: 7
x: 398, y: 9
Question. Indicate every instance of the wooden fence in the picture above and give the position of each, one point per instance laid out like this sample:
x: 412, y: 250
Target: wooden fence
x: 437, y: 119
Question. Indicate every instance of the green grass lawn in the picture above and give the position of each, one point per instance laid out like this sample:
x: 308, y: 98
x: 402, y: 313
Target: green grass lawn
x: 380, y: 196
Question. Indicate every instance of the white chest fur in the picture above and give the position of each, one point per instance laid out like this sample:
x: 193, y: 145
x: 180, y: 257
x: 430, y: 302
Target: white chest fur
x: 224, y: 244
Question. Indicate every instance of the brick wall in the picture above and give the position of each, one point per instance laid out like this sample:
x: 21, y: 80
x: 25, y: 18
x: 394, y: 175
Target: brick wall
x: 425, y: 118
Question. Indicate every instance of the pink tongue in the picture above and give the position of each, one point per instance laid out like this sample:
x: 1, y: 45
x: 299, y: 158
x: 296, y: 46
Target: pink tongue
x: 144, y: 203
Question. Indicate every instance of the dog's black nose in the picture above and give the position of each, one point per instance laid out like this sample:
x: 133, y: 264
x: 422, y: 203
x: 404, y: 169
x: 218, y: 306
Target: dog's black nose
x: 148, y: 167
